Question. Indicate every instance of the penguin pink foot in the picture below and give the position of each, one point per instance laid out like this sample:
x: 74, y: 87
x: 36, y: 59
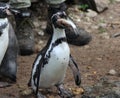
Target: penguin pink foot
x: 39, y: 95
x: 63, y: 93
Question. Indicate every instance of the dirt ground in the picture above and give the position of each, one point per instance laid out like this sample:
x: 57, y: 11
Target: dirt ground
x: 94, y: 60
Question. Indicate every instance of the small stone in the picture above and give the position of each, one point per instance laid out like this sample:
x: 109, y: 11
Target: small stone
x: 116, y: 90
x: 112, y: 72
x: 95, y: 27
x: 41, y: 33
x: 77, y: 91
x: 36, y: 24
x: 99, y: 59
x: 26, y: 92
x: 91, y: 13
x: 105, y: 36
x: 102, y: 25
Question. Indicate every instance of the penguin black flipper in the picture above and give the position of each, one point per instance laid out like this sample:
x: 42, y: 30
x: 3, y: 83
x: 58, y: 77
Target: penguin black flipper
x: 76, y: 73
x: 40, y: 64
x: 38, y: 69
x: 42, y: 53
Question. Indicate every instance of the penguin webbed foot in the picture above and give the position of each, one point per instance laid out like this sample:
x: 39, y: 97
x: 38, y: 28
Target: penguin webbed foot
x: 4, y: 84
x: 63, y: 93
x: 6, y: 81
x: 39, y: 95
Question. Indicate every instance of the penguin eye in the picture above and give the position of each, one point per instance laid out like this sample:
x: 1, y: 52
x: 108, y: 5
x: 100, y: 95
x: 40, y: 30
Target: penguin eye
x: 3, y: 7
x: 63, y: 15
x: 55, y: 17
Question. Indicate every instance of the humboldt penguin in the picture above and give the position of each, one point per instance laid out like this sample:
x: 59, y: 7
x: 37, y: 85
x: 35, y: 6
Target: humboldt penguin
x: 50, y: 65
x: 8, y: 49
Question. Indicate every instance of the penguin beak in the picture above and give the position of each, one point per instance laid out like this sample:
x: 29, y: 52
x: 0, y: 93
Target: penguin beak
x: 67, y: 23
x: 8, y: 12
x: 64, y: 22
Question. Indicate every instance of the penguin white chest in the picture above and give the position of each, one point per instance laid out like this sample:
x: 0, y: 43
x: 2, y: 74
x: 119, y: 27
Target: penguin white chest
x: 4, y: 40
x: 54, y: 72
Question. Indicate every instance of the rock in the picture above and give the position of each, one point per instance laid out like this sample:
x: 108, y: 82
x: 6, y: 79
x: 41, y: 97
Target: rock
x: 95, y: 27
x: 77, y: 91
x: 105, y: 36
x: 36, y: 24
x: 43, y: 24
x: 102, y: 25
x: 117, y: 0
x: 116, y: 90
x: 102, y: 5
x: 117, y: 83
x: 110, y: 95
x: 99, y: 59
x: 112, y: 72
x: 41, y: 33
x: 26, y: 92
x: 91, y: 13
x: 116, y: 35
x: 104, y: 2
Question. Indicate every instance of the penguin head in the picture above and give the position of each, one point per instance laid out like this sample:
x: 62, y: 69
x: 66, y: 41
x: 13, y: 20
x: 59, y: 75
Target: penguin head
x: 55, y: 19
x: 3, y: 15
x: 60, y: 20
x: 4, y: 10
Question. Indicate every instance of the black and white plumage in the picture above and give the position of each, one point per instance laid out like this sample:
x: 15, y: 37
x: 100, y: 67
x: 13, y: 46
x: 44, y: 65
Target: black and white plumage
x: 4, y: 37
x: 8, y: 47
x: 50, y: 66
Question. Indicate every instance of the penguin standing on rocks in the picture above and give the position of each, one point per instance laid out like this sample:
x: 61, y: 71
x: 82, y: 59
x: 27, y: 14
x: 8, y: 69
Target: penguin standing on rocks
x: 8, y: 49
x: 49, y: 67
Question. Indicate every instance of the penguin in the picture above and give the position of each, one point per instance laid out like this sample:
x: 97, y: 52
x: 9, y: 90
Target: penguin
x: 8, y: 50
x: 50, y: 65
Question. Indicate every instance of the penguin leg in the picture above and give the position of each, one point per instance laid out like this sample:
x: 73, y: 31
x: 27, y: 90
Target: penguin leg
x: 63, y: 93
x: 76, y: 73
x: 4, y: 84
x: 38, y: 94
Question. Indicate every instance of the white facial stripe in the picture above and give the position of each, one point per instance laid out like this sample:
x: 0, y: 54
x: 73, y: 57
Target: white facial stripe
x: 70, y: 22
x: 3, y: 23
x: 4, y: 7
